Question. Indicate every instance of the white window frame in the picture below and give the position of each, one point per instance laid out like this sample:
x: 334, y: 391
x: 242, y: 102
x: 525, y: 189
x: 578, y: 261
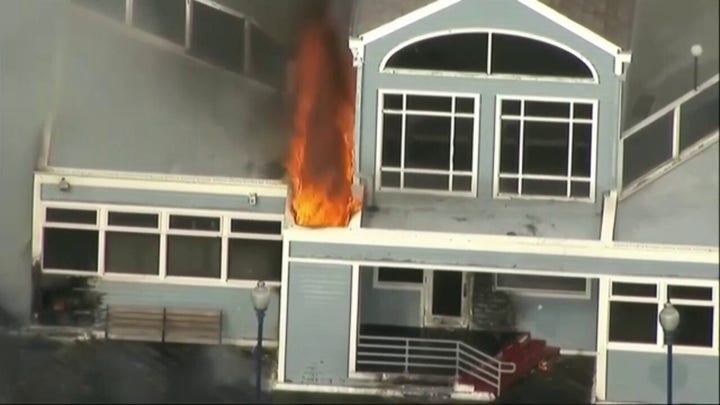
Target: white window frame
x: 396, y: 285
x: 488, y: 71
x: 661, y: 298
x: 522, y: 118
x: 545, y: 293
x: 475, y: 115
x: 163, y: 230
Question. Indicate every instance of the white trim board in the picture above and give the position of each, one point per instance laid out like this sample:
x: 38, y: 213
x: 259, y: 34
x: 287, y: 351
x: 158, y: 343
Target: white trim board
x: 535, y: 5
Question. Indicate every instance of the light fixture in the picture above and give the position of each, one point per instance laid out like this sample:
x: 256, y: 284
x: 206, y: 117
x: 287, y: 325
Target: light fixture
x: 260, y: 296
x: 64, y: 185
x: 696, y: 51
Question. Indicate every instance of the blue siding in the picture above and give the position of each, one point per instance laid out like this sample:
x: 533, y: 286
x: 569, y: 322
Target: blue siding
x: 642, y: 377
x: 388, y: 307
x: 271, y: 205
x: 497, y: 14
x: 318, y: 324
x: 239, y: 320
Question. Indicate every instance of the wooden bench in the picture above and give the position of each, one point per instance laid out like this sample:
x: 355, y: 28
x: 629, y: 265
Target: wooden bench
x: 171, y: 325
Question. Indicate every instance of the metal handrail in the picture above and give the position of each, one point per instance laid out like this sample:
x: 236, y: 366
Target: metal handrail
x: 452, y: 355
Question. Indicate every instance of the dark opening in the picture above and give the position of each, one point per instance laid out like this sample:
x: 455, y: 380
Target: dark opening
x: 524, y: 56
x: 699, y: 117
x: 218, y: 37
x: 251, y: 259
x: 133, y: 219
x: 647, y: 149
x: 267, y: 59
x: 69, y: 216
x: 427, y: 142
x: 633, y: 322
x: 391, y: 140
x: 696, y: 326
x: 114, y: 9
x: 456, y: 52
x: 690, y: 293
x: 192, y: 256
x: 546, y: 148
x: 549, y: 283
x: 463, y: 144
x: 634, y: 290
x: 427, y: 181
x: 70, y: 249
x: 400, y: 275
x: 255, y: 226
x: 194, y: 223
x: 132, y: 253
x: 161, y: 17
x: 447, y: 293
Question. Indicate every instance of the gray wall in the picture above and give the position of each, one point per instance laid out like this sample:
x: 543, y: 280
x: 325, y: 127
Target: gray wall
x: 318, y: 323
x: 500, y: 14
x: 642, y: 377
x: 28, y: 29
x: 239, y: 320
x: 388, y: 307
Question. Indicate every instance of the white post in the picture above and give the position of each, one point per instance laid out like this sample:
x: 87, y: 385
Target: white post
x: 354, y: 315
x: 676, y: 133
x: 603, y: 320
x: 188, y: 23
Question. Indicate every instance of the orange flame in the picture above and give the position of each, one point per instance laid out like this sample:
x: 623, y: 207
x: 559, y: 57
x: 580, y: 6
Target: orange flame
x: 320, y: 164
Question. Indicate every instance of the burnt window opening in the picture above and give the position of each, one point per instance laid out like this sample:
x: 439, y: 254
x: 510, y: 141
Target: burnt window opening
x: 456, y: 52
x: 163, y: 18
x: 114, y: 9
x: 422, y: 133
x: 400, y: 275
x: 255, y: 226
x: 633, y: 322
x: 132, y: 253
x: 70, y: 249
x: 193, y: 256
x: 541, y: 284
x: 134, y: 220
x: 193, y: 223
x: 218, y: 37
x: 252, y: 259
x: 71, y: 216
x: 512, y: 54
x: 557, y: 150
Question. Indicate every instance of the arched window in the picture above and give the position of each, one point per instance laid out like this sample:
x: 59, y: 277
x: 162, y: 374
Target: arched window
x: 491, y: 53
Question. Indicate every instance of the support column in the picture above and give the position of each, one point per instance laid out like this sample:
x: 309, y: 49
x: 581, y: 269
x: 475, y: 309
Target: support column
x: 603, y: 320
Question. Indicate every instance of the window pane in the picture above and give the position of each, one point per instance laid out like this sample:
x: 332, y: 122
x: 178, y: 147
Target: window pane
x: 545, y: 148
x: 633, y: 322
x: 427, y: 181
x: 582, y: 150
x: 509, y: 186
x: 429, y: 103
x: 550, y: 188
x: 634, y: 290
x: 251, y: 259
x: 509, y: 147
x: 462, y: 183
x: 218, y: 37
x: 132, y: 219
x: 427, y: 142
x: 464, y: 105
x: 256, y: 226
x: 161, y: 17
x: 510, y: 55
x: 393, y: 101
x: 582, y: 110
x: 393, y: 275
x: 70, y: 249
x: 696, y: 326
x: 132, y: 253
x: 541, y: 283
x: 580, y: 189
x: 194, y: 223
x: 456, y: 52
x: 390, y: 179
x: 699, y: 117
x: 547, y: 109
x: 690, y: 293
x: 391, y: 140
x: 114, y: 9
x: 511, y: 107
x: 71, y: 216
x: 192, y: 256
x: 463, y: 144
x: 647, y: 149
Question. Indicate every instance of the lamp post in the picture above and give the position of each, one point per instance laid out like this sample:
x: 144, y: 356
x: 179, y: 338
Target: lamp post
x: 260, y: 300
x: 669, y: 319
x: 696, y: 51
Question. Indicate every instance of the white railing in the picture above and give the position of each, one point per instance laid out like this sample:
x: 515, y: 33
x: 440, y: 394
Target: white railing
x: 407, y: 355
x: 670, y: 135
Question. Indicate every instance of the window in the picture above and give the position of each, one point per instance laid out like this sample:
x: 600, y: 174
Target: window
x: 218, y: 36
x: 543, y: 285
x: 428, y: 142
x: 161, y: 17
x: 491, y: 53
x: 634, y: 310
x: 132, y: 243
x: 70, y: 240
x: 545, y: 148
x: 398, y: 278
x: 193, y: 247
x: 255, y: 250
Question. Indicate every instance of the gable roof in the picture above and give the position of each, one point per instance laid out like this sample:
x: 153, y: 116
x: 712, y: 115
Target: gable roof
x: 608, y: 19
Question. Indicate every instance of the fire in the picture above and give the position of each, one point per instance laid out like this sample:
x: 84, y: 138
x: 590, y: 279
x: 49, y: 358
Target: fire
x: 320, y: 164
